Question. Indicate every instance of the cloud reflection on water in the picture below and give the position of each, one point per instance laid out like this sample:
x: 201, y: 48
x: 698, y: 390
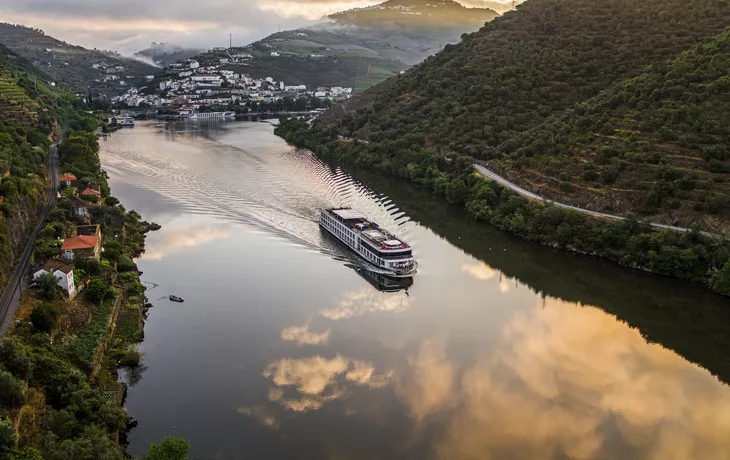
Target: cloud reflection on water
x: 176, y: 239
x: 572, y: 382
x: 367, y: 300
x: 318, y: 380
x: 303, y: 336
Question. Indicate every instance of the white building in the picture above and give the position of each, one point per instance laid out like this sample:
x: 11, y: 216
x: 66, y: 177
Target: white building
x: 63, y: 272
x: 194, y: 64
x: 274, y: 54
x: 206, y: 80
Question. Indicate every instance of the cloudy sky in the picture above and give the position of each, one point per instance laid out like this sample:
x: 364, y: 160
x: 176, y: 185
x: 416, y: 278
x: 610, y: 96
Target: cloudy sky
x: 130, y: 25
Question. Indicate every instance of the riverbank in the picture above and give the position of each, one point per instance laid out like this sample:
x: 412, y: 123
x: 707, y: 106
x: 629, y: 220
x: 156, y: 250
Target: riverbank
x: 633, y: 244
x: 79, y: 322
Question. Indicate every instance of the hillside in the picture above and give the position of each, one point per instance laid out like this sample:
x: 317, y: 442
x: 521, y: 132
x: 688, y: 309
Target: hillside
x: 480, y: 97
x: 164, y: 54
x: 657, y: 144
x: 29, y: 109
x: 73, y: 67
x: 358, y: 48
x: 579, y: 100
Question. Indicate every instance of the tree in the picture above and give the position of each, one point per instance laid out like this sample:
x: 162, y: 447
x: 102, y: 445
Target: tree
x: 47, y: 283
x: 11, y: 392
x: 7, y: 434
x: 168, y: 449
x: 111, y: 201
x: 44, y: 317
x: 720, y: 280
x: 14, y: 358
x: 98, y: 291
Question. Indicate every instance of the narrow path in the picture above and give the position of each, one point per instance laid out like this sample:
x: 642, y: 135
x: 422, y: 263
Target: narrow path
x: 501, y: 180
x: 10, y: 296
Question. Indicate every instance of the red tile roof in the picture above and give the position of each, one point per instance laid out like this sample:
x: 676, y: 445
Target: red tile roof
x: 67, y: 177
x: 91, y: 191
x: 80, y: 242
x: 53, y: 265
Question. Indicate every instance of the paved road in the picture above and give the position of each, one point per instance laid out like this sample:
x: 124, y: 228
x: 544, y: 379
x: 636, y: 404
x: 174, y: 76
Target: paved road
x: 10, y: 296
x: 497, y: 178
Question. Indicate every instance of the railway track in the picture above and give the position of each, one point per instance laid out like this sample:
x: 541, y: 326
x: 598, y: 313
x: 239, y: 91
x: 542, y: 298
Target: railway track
x: 10, y: 296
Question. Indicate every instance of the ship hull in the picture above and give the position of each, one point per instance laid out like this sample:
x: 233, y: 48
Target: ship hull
x: 350, y: 238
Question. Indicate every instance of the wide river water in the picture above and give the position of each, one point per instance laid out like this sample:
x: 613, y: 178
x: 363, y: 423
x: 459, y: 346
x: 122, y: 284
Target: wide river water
x: 498, y: 349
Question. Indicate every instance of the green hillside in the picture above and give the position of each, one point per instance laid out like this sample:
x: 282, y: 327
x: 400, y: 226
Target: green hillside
x: 657, y: 144
x: 29, y: 109
x: 481, y: 97
x: 613, y: 104
x: 358, y: 48
x: 72, y: 67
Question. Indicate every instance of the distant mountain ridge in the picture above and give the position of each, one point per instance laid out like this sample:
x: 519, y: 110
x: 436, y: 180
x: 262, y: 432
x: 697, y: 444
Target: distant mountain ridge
x: 360, y: 47
x: 71, y: 66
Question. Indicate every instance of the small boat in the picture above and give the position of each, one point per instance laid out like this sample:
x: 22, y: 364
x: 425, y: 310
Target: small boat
x: 175, y: 298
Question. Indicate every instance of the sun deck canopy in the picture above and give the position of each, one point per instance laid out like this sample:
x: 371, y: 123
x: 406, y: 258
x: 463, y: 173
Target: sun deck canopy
x: 348, y: 214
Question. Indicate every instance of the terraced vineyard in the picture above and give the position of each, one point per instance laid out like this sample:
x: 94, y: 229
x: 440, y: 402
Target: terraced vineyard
x: 15, y: 105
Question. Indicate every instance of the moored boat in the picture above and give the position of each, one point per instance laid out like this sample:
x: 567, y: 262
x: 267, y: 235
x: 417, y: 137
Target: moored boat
x: 370, y: 241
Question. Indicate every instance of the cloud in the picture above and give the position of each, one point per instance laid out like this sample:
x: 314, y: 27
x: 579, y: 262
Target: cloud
x: 131, y: 25
x: 573, y: 382
x: 318, y: 380
x: 303, y: 336
x: 175, y: 240
x: 367, y: 300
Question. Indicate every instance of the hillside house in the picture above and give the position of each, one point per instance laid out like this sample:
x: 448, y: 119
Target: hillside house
x: 67, y: 179
x: 63, y: 272
x: 90, y: 191
x: 81, y: 247
x: 80, y: 208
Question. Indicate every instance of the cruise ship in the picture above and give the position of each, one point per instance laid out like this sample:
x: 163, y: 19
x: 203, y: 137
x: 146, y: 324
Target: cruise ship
x: 369, y: 240
x: 211, y: 115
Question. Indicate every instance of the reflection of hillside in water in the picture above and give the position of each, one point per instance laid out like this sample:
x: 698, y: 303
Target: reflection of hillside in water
x: 682, y: 316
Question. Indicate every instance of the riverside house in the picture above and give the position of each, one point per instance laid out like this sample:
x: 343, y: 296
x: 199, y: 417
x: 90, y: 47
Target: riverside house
x: 63, y: 272
x: 81, y: 247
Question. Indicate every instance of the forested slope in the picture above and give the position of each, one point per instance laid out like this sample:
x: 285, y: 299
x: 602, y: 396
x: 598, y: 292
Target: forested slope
x: 657, y: 144
x: 480, y: 96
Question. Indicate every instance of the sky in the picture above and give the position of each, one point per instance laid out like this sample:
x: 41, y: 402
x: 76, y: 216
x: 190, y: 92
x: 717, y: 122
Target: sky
x: 130, y: 25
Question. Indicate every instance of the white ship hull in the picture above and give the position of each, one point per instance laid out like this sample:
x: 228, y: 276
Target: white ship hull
x: 212, y: 115
x: 369, y: 241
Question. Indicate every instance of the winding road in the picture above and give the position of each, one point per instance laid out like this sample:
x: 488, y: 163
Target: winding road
x: 501, y: 180
x: 10, y: 296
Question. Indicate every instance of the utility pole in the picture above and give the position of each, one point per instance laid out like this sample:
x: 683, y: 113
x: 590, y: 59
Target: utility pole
x: 230, y: 41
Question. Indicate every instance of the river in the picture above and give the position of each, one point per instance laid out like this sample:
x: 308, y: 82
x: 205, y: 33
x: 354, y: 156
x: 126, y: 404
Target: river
x: 497, y: 349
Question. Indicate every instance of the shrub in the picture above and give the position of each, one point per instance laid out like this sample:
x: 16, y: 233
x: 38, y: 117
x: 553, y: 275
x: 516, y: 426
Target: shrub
x: 7, y: 434
x: 168, y: 449
x: 44, y: 317
x: 47, y: 283
x: 11, y: 392
x: 14, y: 358
x: 98, y: 291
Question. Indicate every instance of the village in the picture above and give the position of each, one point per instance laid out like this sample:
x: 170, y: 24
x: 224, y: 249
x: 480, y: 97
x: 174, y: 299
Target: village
x: 188, y: 87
